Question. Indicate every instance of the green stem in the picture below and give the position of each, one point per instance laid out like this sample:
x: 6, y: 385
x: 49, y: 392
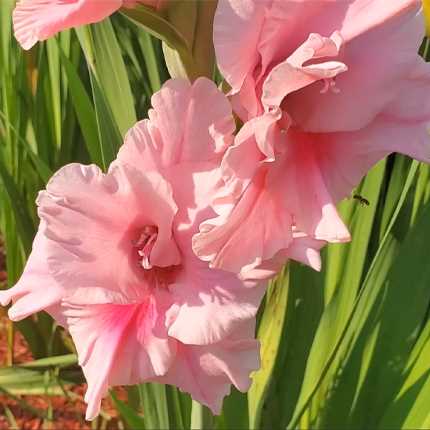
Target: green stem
x: 201, y: 417
x: 10, y: 343
x: 427, y: 49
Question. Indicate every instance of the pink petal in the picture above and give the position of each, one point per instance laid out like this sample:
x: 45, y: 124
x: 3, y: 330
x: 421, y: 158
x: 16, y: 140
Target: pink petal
x: 303, y: 249
x: 93, y: 220
x: 266, y: 33
x: 292, y: 75
x: 36, y: 290
x: 412, y: 104
x: 373, y: 80
x: 208, y: 304
x: 119, y: 345
x: 188, y: 123
x: 206, y: 372
x: 36, y: 20
x: 258, y: 227
x: 237, y: 28
x: 257, y: 223
x: 310, y: 199
x: 345, y: 158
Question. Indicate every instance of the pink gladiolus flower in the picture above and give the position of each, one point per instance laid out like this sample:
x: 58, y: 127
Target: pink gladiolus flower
x: 326, y: 88
x: 36, y: 20
x: 112, y: 260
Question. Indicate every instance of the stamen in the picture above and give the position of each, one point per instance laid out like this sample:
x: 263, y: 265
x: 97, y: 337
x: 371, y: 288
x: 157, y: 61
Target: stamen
x: 330, y: 85
x: 145, y: 243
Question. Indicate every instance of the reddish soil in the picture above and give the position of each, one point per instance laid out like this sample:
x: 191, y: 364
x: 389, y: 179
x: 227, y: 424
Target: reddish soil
x: 68, y: 414
x: 3, y: 276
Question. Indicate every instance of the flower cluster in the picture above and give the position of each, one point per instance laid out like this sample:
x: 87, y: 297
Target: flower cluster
x: 157, y: 267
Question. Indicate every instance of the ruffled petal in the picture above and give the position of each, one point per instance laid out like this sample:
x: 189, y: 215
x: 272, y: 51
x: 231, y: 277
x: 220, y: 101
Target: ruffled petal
x: 36, y: 290
x: 344, y: 158
x: 310, y: 200
x: 237, y: 27
x: 119, y: 345
x: 94, y: 220
x: 303, y: 249
x: 207, y: 372
x: 268, y: 201
x: 372, y: 82
x: 256, y: 229
x: 208, y: 304
x: 292, y: 74
x: 188, y: 123
x: 36, y: 20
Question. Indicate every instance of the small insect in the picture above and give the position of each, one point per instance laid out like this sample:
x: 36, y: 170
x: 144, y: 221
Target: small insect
x: 362, y: 200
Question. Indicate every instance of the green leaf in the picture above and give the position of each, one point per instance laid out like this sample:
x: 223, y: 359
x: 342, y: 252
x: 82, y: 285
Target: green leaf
x: 342, y: 282
x: 154, y: 405
x: 55, y: 87
x: 108, y: 73
x: 18, y: 380
x: 84, y: 111
x: 201, y: 417
x: 132, y: 419
x: 109, y: 133
x: 270, y: 334
x: 150, y: 58
x: 24, y: 221
x: 54, y: 361
x: 161, y: 28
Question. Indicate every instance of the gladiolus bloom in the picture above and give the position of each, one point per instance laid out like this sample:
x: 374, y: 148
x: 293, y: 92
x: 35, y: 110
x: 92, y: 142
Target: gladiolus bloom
x: 326, y: 89
x: 112, y: 260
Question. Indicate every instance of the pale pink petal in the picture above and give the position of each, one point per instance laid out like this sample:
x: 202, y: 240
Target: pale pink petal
x: 258, y: 227
x: 372, y: 82
x: 94, y: 220
x: 119, y: 345
x: 402, y: 127
x: 255, y: 144
x: 36, y: 289
x: 310, y: 199
x: 188, y: 123
x: 363, y: 15
x: 207, y: 372
x: 412, y: 104
x: 242, y: 160
x: 288, y: 23
x: 237, y: 29
x: 344, y: 158
x: 292, y: 74
x: 208, y: 304
x: 256, y: 224
x: 303, y: 249
x: 266, y: 33
x: 36, y: 20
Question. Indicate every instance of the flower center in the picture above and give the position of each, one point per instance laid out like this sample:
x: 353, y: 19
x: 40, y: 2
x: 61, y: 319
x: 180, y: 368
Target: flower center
x: 145, y: 243
x: 330, y: 86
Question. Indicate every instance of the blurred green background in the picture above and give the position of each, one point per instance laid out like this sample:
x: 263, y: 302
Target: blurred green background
x: 346, y: 348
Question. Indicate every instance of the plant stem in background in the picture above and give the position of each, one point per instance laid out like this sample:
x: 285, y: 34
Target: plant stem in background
x: 201, y: 417
x: 10, y: 342
x: 426, y: 49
